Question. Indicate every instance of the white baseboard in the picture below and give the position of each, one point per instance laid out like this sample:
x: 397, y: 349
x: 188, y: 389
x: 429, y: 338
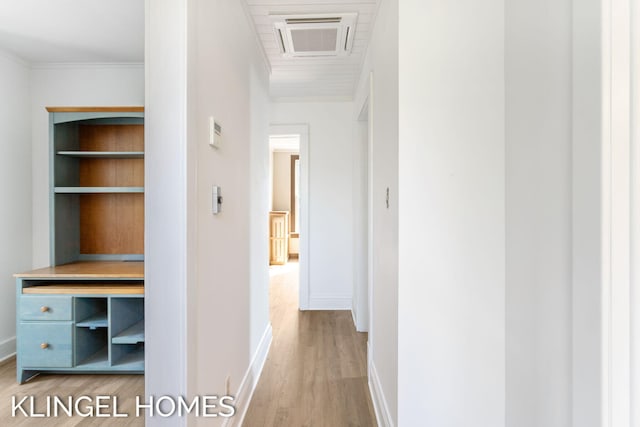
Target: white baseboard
x: 250, y: 380
x: 329, y: 303
x: 7, y: 349
x: 377, y: 397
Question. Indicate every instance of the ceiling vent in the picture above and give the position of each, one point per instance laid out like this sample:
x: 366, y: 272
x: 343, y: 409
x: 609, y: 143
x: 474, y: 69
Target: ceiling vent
x: 315, y: 35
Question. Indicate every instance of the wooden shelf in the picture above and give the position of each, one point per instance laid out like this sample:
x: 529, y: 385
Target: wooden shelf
x: 93, y: 190
x: 82, y: 289
x: 96, y: 321
x: 90, y: 270
x: 104, y: 154
x: 131, y: 335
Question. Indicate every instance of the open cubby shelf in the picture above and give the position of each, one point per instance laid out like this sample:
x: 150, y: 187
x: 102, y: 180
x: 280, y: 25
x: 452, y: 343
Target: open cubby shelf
x: 96, y: 321
x: 131, y: 335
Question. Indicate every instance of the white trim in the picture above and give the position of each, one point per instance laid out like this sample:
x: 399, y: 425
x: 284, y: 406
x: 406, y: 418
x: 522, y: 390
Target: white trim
x: 370, y: 231
x: 256, y: 36
x: 250, y: 380
x: 635, y: 220
x: 329, y: 303
x: 353, y: 317
x: 304, y: 255
x: 383, y: 415
x: 310, y: 99
x: 85, y: 65
x: 10, y: 56
x: 7, y: 349
x: 616, y: 180
x: 365, y: 54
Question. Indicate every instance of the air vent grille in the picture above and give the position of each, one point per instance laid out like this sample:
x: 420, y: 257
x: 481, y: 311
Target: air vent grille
x: 293, y: 21
x: 315, y: 35
x: 314, y: 40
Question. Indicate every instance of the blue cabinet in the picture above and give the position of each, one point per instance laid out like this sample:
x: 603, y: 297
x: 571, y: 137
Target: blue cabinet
x: 81, y: 317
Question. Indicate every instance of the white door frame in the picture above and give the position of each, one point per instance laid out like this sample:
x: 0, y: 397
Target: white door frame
x: 634, y: 345
x: 304, y: 254
x: 362, y: 254
x: 367, y: 102
x: 617, y: 189
x: 606, y: 230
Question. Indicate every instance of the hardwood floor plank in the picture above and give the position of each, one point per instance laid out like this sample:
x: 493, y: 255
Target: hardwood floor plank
x: 125, y: 387
x: 316, y: 371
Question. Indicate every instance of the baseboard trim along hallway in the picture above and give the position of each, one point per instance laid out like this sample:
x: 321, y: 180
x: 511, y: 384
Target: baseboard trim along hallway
x: 250, y: 379
x: 379, y: 401
x: 330, y: 303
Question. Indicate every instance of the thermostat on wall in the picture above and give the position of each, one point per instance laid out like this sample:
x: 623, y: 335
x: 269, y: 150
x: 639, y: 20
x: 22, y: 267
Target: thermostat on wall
x: 215, y: 133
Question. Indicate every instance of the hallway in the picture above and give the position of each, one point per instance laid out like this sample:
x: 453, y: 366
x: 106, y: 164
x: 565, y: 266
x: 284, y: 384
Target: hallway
x: 316, y: 372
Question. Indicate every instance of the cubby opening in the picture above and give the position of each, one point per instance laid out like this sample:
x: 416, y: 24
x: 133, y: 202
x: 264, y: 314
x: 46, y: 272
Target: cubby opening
x: 130, y: 356
x: 92, y: 350
x: 127, y: 332
x: 91, y: 313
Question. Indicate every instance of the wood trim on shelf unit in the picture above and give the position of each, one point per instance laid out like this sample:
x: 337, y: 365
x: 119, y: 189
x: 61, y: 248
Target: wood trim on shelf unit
x: 90, y: 270
x: 85, y: 289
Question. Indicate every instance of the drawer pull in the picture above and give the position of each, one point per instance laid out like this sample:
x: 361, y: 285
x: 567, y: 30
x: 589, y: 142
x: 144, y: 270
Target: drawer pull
x: 44, y: 309
x: 44, y: 345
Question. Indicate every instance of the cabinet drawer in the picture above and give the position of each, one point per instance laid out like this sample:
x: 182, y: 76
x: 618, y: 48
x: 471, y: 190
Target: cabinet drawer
x: 45, y: 344
x: 45, y: 307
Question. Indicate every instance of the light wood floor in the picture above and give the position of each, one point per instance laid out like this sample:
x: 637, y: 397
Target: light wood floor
x: 316, y: 372
x: 125, y: 387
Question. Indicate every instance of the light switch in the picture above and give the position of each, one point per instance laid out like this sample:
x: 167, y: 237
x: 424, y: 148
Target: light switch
x: 216, y: 200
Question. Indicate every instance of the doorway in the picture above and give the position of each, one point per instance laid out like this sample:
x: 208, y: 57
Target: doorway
x: 361, y: 228
x: 288, y: 195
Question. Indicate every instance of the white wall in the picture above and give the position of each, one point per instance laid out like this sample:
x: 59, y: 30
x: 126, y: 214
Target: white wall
x: 382, y: 60
x: 15, y: 187
x: 330, y: 207
x: 166, y: 195
x: 228, y: 298
x: 538, y: 212
x: 70, y: 85
x: 451, y: 309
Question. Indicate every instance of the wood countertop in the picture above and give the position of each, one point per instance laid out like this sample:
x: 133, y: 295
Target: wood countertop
x: 90, y: 269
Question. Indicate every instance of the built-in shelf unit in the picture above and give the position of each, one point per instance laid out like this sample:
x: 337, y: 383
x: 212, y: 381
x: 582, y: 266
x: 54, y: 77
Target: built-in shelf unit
x: 85, y: 313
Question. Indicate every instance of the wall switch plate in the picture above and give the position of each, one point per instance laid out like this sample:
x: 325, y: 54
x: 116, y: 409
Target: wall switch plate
x: 216, y: 200
x: 215, y: 133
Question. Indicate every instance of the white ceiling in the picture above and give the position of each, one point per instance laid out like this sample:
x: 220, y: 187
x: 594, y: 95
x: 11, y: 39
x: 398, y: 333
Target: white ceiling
x: 73, y: 30
x: 41, y: 31
x: 315, y: 77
